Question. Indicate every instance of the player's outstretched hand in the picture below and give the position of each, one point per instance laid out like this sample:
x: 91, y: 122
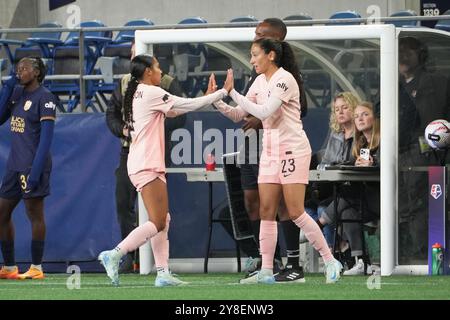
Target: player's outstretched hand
x: 212, y: 85
x: 229, y: 81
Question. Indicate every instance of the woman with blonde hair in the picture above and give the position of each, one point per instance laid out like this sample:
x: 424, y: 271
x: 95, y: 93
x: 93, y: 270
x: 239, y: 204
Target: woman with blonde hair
x: 367, y: 134
x: 339, y: 145
x: 365, y: 150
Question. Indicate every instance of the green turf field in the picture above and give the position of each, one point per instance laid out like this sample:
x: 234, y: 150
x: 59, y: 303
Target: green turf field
x: 225, y: 287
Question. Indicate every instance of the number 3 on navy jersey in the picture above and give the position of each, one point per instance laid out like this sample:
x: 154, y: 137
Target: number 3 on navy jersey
x: 291, y: 165
x: 23, y: 181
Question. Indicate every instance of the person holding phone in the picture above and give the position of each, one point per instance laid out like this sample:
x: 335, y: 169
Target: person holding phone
x: 367, y: 135
x: 366, y: 148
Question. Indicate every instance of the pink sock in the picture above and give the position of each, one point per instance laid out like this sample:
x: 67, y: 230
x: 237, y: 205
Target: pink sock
x: 314, y: 236
x: 160, y: 246
x: 268, y: 234
x: 137, y: 237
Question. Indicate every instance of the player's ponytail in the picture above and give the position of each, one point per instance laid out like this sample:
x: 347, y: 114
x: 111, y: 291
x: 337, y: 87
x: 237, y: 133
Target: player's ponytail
x: 285, y: 58
x: 289, y: 63
x: 138, y: 66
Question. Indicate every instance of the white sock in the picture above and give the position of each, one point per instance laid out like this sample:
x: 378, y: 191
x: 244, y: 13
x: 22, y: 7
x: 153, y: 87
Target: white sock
x: 39, y: 266
x: 10, y: 268
x: 118, y: 252
x: 162, y: 271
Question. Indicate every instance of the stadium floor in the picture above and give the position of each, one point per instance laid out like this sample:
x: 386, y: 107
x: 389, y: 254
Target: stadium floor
x: 220, y: 286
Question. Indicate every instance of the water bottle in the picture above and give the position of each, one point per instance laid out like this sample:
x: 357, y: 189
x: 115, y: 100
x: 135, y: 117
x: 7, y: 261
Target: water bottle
x: 437, y: 259
x: 210, y: 162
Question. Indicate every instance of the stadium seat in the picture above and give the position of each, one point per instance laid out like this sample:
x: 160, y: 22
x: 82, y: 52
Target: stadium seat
x: 404, y: 23
x: 244, y: 19
x: 6, y: 44
x: 115, y: 59
x: 193, y: 20
x: 128, y: 35
x: 46, y: 34
x: 300, y: 16
x: 443, y: 24
x: 120, y: 47
x: 190, y: 59
x: 66, y: 62
x: 40, y: 44
x: 344, y: 15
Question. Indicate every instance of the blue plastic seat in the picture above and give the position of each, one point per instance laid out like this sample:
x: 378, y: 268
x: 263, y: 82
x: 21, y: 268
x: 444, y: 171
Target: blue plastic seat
x: 300, y: 16
x: 344, y: 15
x: 120, y: 50
x: 66, y: 61
x: 404, y: 23
x: 44, y: 34
x: 40, y: 44
x: 128, y: 35
x: 32, y: 46
x: 443, y: 24
x: 190, y: 58
x: 244, y: 19
x: 193, y: 20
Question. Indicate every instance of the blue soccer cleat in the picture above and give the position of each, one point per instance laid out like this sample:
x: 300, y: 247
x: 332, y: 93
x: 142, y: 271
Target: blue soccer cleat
x: 110, y: 261
x: 167, y: 279
x: 264, y: 276
x: 333, y: 271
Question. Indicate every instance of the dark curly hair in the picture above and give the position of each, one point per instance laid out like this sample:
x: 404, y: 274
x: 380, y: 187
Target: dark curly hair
x: 37, y: 64
x: 285, y: 58
x: 138, y: 66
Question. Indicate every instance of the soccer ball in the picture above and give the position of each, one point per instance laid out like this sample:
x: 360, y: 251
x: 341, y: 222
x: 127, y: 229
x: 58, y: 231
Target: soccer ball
x: 437, y: 134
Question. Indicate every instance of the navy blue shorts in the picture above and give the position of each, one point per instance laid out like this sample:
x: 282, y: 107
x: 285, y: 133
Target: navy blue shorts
x: 14, y: 185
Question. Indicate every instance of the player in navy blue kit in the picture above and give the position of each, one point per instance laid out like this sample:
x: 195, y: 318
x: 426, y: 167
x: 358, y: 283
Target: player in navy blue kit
x: 32, y: 110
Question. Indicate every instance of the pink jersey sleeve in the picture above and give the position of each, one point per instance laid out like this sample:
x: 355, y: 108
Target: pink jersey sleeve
x: 285, y: 87
x: 236, y: 114
x: 153, y: 98
x: 251, y: 94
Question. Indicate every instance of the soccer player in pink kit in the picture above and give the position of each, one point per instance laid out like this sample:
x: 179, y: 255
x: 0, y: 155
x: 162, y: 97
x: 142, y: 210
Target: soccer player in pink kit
x: 146, y: 106
x: 286, y: 154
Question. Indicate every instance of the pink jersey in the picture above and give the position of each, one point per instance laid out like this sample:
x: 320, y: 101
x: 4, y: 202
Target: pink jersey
x: 150, y: 106
x: 283, y: 130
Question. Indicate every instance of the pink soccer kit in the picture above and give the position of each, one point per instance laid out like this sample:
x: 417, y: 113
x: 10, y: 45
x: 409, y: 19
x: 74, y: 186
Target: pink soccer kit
x: 146, y: 157
x: 286, y: 151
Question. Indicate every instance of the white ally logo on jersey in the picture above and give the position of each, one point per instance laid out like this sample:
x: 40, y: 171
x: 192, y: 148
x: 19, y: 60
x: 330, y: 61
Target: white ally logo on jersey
x: 50, y: 105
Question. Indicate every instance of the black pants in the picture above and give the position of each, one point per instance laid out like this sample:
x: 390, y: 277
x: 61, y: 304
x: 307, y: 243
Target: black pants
x: 126, y: 195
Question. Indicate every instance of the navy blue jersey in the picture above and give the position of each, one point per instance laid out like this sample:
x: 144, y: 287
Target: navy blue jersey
x: 28, y: 109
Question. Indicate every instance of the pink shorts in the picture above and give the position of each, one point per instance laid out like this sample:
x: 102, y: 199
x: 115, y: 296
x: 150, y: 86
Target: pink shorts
x: 284, y: 171
x: 140, y: 179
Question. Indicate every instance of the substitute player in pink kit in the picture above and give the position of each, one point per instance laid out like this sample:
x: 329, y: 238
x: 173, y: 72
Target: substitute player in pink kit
x: 146, y: 105
x: 286, y: 154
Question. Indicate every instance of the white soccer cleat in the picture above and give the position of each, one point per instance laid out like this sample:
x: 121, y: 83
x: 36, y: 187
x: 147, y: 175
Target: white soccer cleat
x: 167, y: 279
x: 110, y: 260
x: 333, y: 271
x: 264, y: 276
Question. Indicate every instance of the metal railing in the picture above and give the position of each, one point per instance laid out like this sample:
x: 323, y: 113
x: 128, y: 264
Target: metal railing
x: 82, y: 30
